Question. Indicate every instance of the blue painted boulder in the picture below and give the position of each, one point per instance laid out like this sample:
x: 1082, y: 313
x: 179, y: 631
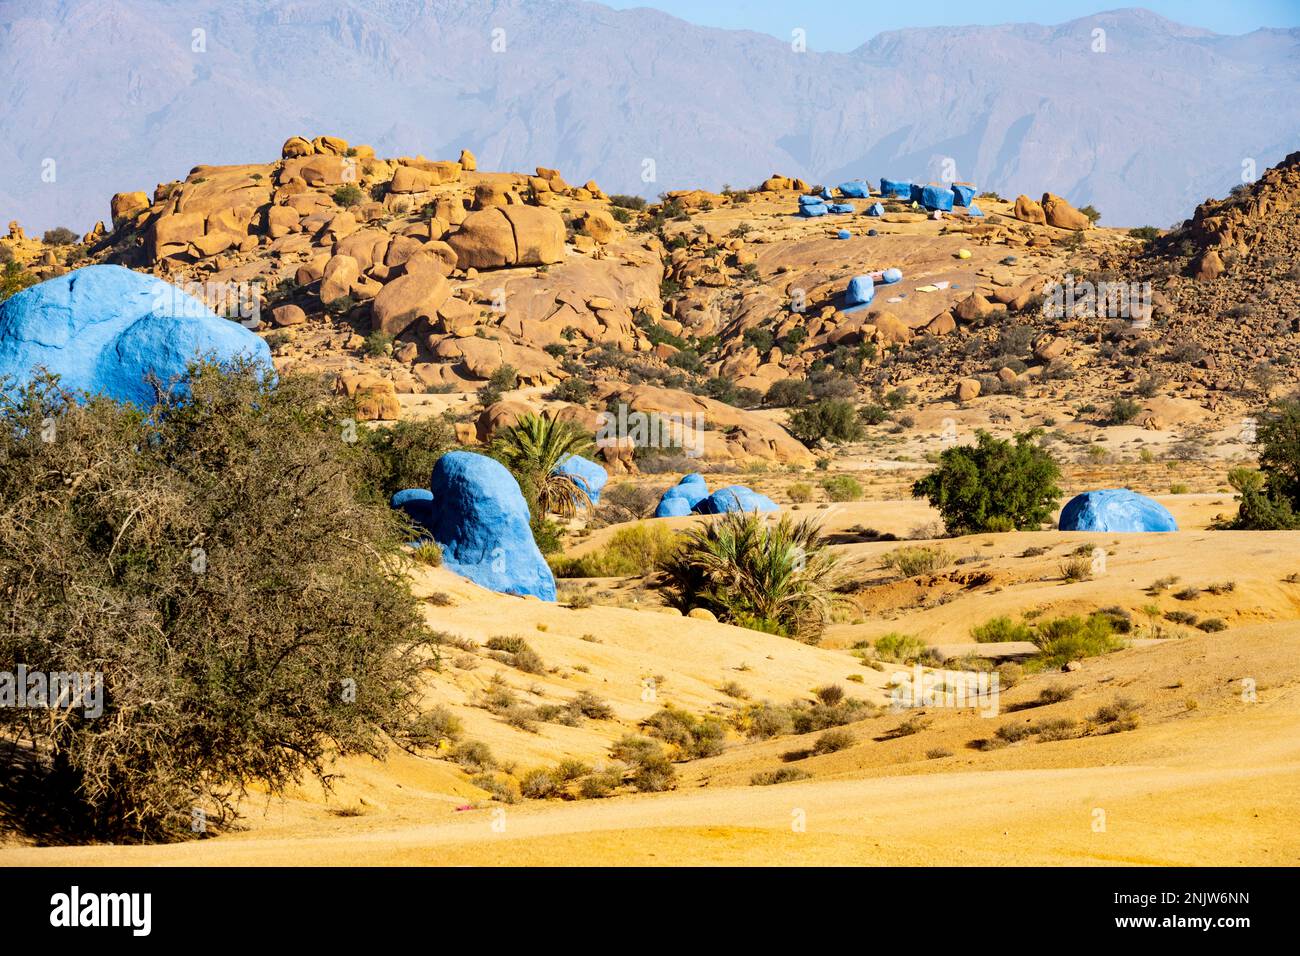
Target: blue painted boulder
x: 812, y: 206
x: 875, y: 209
x: 840, y: 207
x: 843, y: 234
x: 937, y: 197
x: 891, y: 275
x: 673, y: 506
x: 686, y: 494
x: 962, y: 194
x: 895, y: 189
x: 417, y: 505
x: 1115, y: 509
x: 587, y: 473
x: 974, y: 210
x: 104, y: 329
x: 480, y: 519
x: 916, y: 192
x: 855, y: 189
x: 861, y: 290
x: 735, y: 498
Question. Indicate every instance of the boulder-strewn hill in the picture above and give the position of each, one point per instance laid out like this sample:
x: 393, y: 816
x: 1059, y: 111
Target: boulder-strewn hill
x: 128, y: 92
x: 429, y: 286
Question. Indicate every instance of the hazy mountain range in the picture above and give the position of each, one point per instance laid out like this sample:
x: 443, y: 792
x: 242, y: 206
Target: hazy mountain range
x: 123, y: 94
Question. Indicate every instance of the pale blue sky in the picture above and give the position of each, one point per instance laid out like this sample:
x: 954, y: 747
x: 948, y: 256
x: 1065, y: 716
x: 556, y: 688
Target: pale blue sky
x: 846, y: 24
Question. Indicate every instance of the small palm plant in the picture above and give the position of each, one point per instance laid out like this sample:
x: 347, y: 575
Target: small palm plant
x: 532, y: 448
x: 777, y: 578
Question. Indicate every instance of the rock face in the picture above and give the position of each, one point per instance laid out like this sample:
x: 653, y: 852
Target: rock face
x: 1117, y: 510
x: 375, y: 396
x: 103, y: 329
x: 735, y: 498
x: 480, y: 520
x: 586, y: 473
x: 1027, y: 210
x: 509, y: 236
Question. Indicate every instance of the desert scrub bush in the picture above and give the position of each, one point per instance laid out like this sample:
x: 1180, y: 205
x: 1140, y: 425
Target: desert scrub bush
x: 1009, y: 675
x: 538, y: 784
x: 832, y: 420
x: 1118, y: 716
x: 378, y: 343
x: 1187, y: 594
x: 349, y: 194
x: 1000, y: 629
x: 202, y: 555
x: 911, y: 561
x: 993, y: 485
x: 763, y: 721
x: 1057, y: 728
x: 1066, y: 639
x: 502, y: 788
x: 635, y: 550
x: 600, y: 784
x: 778, y: 577
x: 900, y: 648
x: 768, y: 778
x: 842, y: 488
x: 1122, y: 411
x: 428, y: 553
x: 799, y: 492
x: 1054, y: 694
x: 433, y: 726
x: 474, y: 756
x: 652, y: 771
x: 402, y: 455
x: 627, y: 502
x: 832, y: 741
x: 1221, y: 587
x: 692, y: 736
x: 1212, y: 625
x: 806, y: 717
x: 937, y: 753
x: 516, y: 652
x: 733, y: 690
x: 1076, y: 569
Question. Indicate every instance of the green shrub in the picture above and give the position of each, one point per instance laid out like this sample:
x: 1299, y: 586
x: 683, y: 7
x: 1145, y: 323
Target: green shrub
x: 842, y: 488
x: 517, y: 652
x: 799, y: 492
x: 635, y: 550
x: 1122, y: 411
x: 538, y: 784
x: 911, y: 561
x: 831, y: 741
x: 767, y: 778
x: 832, y: 419
x: 202, y: 555
x: 764, y: 720
x: 349, y: 194
x: 474, y: 756
x: 1066, y: 639
x: 428, y: 553
x: 1270, y: 498
x: 993, y: 485
x: 402, y: 455
x: 999, y: 629
x: 693, y: 736
x: 378, y: 343
x: 900, y: 648
x: 775, y: 577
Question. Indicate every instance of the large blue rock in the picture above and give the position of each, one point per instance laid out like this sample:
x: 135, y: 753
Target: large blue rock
x: 861, y: 290
x: 875, y: 209
x: 1115, y: 509
x: 585, y: 472
x: 915, y: 193
x: 417, y: 505
x: 735, y: 498
x: 686, y: 494
x: 855, y: 188
x: 480, y: 519
x: 895, y: 189
x: 937, y: 197
x: 673, y: 507
x: 840, y: 207
x: 962, y: 194
x: 891, y: 275
x: 974, y: 210
x: 104, y: 329
x: 815, y: 208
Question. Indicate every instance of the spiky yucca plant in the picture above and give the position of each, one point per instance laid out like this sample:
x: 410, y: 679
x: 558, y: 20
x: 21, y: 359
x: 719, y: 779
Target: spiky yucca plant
x: 532, y: 448
x: 775, y: 577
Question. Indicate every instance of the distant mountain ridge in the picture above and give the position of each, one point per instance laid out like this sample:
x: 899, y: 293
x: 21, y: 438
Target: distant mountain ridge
x: 123, y: 94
